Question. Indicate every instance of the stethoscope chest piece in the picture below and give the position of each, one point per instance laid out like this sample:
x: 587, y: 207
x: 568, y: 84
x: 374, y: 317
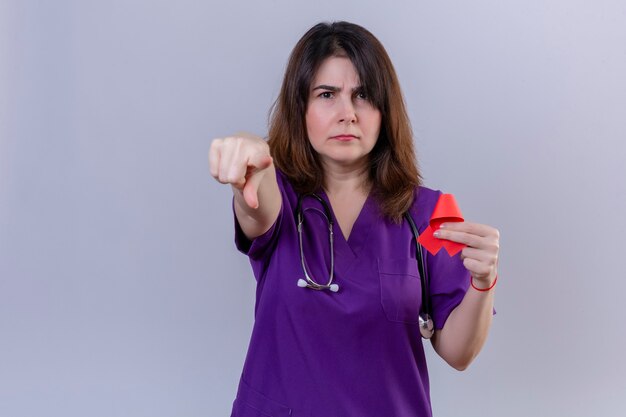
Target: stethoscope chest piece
x: 427, y: 327
x: 303, y: 284
x: 426, y: 324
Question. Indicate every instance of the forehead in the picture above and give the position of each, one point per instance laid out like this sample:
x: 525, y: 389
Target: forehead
x: 336, y: 71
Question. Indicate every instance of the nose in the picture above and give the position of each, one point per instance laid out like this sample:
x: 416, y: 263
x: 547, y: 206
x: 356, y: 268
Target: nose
x: 347, y: 111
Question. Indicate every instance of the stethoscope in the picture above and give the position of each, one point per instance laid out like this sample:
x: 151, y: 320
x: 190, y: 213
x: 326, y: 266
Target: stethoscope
x: 425, y: 321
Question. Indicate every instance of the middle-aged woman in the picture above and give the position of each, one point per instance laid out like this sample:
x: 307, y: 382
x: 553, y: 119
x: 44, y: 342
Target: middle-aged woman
x: 337, y: 328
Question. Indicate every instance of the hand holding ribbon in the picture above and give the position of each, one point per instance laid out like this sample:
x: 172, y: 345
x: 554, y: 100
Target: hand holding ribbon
x: 480, y: 256
x: 446, y: 210
x: 480, y: 244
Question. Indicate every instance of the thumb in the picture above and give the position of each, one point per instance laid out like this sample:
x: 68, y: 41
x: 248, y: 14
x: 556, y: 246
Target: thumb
x: 260, y: 160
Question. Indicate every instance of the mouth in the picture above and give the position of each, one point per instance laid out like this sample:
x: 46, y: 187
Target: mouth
x: 344, y: 137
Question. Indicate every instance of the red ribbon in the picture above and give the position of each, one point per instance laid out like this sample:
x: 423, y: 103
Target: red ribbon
x: 446, y: 210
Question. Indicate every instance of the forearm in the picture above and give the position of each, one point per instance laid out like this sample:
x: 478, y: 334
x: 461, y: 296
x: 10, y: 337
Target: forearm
x: 466, y: 329
x: 256, y: 221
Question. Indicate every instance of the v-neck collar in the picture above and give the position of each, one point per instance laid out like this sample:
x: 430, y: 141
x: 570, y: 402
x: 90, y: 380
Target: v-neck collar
x: 349, y: 250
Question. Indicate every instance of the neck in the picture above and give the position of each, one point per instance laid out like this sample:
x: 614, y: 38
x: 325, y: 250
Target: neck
x: 346, y: 180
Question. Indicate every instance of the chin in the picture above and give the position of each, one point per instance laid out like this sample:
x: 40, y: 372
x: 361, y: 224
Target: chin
x: 345, y: 159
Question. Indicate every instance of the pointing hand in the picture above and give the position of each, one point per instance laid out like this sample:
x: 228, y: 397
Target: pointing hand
x: 242, y: 161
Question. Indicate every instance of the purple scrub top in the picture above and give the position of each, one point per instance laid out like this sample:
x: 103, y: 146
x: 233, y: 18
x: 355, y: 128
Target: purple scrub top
x: 356, y: 352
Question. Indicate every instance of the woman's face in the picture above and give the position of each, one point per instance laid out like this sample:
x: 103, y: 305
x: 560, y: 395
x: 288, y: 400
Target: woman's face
x: 341, y: 123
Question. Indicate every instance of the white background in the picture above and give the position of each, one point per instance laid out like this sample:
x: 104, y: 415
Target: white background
x: 121, y: 292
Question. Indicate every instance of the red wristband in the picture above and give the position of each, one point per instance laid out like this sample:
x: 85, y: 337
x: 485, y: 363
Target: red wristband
x: 483, y: 289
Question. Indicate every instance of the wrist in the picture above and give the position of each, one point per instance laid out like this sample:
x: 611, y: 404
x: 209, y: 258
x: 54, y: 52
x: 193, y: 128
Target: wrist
x: 483, y: 286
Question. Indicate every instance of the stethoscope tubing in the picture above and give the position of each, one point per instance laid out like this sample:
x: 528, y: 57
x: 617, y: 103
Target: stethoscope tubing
x: 425, y: 321
x: 420, y: 264
x: 308, y: 281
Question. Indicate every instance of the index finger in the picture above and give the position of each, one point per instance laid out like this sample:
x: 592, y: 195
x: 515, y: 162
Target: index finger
x: 477, y: 229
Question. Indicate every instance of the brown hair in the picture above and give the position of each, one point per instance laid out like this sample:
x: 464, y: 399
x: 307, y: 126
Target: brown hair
x: 393, y: 169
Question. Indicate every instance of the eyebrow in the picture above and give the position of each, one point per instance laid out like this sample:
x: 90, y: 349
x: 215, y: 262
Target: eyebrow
x: 333, y: 88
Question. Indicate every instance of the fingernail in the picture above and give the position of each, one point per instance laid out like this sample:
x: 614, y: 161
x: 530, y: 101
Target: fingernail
x: 442, y: 225
x: 437, y: 233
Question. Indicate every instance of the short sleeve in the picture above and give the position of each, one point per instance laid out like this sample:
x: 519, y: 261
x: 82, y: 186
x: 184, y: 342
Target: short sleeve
x: 449, y: 281
x: 263, y: 245
x: 448, y: 277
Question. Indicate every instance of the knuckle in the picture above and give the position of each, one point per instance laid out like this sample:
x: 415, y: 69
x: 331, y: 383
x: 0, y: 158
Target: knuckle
x: 491, y: 246
x: 216, y: 145
x: 229, y: 178
x: 234, y: 176
x: 247, y: 141
x: 222, y: 178
x: 230, y: 141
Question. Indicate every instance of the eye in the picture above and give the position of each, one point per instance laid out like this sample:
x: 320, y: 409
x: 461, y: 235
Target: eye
x: 362, y: 95
x: 326, y: 94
